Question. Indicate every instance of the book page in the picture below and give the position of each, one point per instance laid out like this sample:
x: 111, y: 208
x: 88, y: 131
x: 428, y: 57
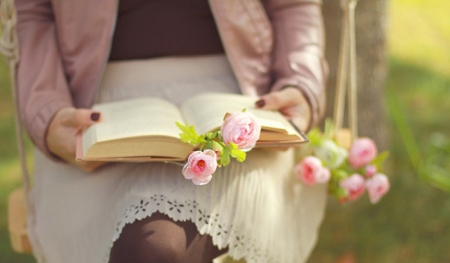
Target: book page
x: 206, y: 112
x: 133, y: 118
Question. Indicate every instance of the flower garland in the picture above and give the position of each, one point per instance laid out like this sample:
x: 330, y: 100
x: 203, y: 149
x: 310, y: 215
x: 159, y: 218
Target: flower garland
x: 237, y: 135
x: 348, y: 172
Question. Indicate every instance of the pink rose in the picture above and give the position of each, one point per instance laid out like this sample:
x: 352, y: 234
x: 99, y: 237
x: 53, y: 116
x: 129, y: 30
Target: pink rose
x: 377, y: 186
x: 241, y: 128
x: 311, y: 171
x: 370, y: 170
x: 353, y: 185
x: 200, y: 166
x: 362, y: 152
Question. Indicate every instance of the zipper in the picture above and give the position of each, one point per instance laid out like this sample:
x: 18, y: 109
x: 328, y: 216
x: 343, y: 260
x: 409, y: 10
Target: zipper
x: 111, y: 34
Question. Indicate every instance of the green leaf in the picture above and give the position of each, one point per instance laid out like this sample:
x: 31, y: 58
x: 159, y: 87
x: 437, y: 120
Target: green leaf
x: 336, y: 191
x: 339, y: 174
x: 189, y: 135
x: 340, y: 193
x: 236, y: 153
x: 212, y: 135
x: 378, y: 161
x: 315, y: 137
x: 329, y: 128
x: 225, y: 157
x: 217, y: 146
x: 209, y: 145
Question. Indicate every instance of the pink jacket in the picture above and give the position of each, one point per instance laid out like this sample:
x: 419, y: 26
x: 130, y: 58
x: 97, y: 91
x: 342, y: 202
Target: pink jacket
x: 64, y: 47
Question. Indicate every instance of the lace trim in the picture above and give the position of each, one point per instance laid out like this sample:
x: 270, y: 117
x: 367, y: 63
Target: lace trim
x: 223, y: 234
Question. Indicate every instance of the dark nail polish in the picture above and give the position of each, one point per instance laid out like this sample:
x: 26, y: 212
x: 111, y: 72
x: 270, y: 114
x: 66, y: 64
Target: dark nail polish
x: 260, y: 103
x: 95, y: 116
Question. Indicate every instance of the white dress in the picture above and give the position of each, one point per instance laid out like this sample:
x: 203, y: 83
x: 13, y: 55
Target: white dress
x: 258, y: 209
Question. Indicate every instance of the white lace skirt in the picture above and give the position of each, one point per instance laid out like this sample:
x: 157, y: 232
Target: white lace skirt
x: 257, y: 209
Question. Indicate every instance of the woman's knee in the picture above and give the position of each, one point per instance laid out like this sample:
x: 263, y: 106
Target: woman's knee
x: 160, y: 239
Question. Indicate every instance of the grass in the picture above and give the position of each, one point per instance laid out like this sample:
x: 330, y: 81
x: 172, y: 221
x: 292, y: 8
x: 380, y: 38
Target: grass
x: 412, y: 222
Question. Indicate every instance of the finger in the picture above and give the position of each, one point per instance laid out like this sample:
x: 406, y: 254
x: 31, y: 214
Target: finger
x: 88, y: 166
x: 85, y: 117
x: 280, y: 99
x: 299, y: 114
x: 82, y: 118
x: 67, y: 122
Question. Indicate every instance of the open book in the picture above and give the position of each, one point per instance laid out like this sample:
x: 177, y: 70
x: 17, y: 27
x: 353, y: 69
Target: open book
x: 144, y: 129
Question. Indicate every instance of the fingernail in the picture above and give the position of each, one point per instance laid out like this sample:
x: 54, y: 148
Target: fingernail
x: 95, y: 116
x: 260, y: 103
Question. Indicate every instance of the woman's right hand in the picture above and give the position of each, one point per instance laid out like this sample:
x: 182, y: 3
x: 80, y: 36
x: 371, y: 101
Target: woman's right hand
x: 62, y: 131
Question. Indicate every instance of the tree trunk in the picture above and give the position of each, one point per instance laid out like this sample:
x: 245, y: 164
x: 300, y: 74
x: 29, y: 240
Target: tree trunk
x: 371, y: 63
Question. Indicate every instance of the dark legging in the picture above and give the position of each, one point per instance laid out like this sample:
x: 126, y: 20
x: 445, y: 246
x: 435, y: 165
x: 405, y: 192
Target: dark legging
x: 160, y: 239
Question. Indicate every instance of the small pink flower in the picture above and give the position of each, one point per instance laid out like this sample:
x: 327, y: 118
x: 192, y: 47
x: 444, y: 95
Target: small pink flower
x: 353, y: 185
x: 311, y: 171
x: 362, y: 152
x: 370, y: 170
x: 200, y: 166
x: 241, y: 128
x: 377, y: 186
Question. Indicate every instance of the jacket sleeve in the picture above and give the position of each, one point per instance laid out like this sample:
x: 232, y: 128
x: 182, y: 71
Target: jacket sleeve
x: 298, y: 55
x: 41, y: 81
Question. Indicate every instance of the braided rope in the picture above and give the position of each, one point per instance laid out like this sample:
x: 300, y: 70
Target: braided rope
x: 9, y: 47
x: 347, y: 70
x: 8, y: 41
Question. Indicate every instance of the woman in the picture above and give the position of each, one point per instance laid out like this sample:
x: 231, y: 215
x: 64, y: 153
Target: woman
x: 75, y: 53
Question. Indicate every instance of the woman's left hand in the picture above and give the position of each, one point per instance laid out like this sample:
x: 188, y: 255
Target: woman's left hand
x: 291, y: 103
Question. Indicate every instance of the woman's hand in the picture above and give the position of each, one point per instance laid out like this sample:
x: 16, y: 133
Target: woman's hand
x: 61, y: 133
x: 291, y: 103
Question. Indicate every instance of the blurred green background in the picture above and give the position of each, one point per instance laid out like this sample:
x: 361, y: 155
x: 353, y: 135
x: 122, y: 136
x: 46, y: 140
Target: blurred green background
x: 412, y: 222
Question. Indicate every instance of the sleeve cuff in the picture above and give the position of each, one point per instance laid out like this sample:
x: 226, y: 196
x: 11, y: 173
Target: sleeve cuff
x: 316, y: 101
x: 39, y: 125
